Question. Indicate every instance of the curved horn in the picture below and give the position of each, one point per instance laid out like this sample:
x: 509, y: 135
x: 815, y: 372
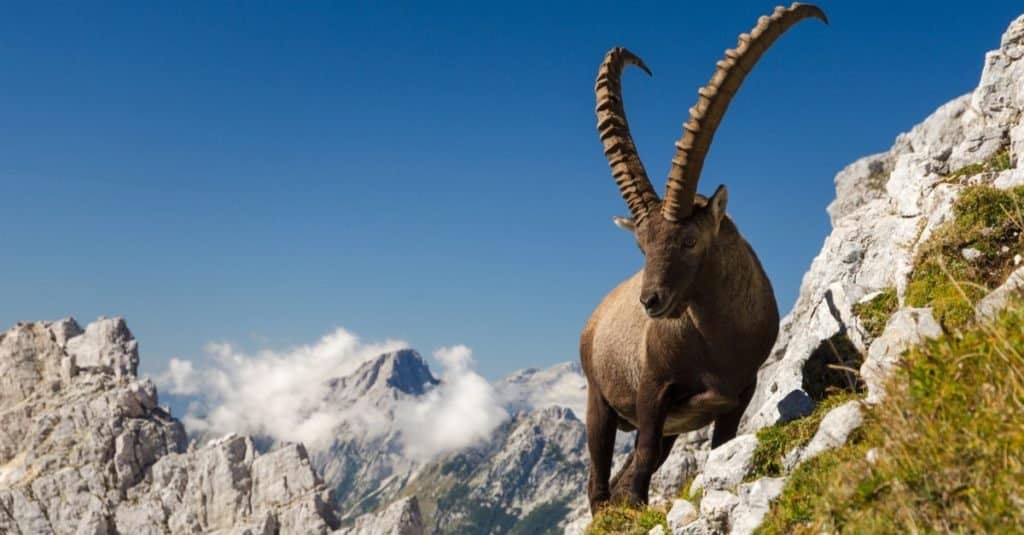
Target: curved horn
x: 619, y: 148
x: 714, y: 99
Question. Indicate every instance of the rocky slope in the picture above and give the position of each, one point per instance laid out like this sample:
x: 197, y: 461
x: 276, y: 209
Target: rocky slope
x: 532, y: 459
x: 561, y: 385
x: 887, y: 206
x: 529, y: 468
x: 86, y: 449
x: 524, y: 476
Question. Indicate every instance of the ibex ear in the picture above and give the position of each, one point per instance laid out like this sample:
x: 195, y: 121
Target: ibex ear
x: 625, y: 223
x: 716, y: 204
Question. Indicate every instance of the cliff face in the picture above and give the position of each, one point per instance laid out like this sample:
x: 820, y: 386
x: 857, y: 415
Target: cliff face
x: 86, y: 449
x: 887, y: 207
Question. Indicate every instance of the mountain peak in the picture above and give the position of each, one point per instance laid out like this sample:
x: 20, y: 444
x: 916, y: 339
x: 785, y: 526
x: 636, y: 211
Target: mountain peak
x: 406, y: 370
x: 403, y: 370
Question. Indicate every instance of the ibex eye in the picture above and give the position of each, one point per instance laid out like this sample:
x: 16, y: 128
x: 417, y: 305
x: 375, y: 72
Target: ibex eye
x: 690, y: 242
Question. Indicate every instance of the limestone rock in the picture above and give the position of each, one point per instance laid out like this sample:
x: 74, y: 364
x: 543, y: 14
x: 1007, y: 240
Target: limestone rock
x: 860, y: 182
x: 834, y: 431
x: 681, y: 513
x: 991, y: 304
x: 400, y: 518
x: 727, y: 464
x: 907, y: 326
x: 86, y: 449
x: 716, y: 506
x: 106, y: 344
x: 754, y: 503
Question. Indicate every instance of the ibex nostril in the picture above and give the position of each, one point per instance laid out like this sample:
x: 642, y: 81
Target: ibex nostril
x: 651, y: 301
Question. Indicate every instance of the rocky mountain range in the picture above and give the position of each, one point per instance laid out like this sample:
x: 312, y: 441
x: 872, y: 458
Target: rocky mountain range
x: 86, y: 447
x: 535, y: 458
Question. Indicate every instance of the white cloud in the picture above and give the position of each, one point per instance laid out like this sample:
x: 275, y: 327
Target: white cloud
x: 562, y: 385
x: 566, y: 391
x: 462, y: 411
x: 284, y: 395
x: 180, y: 378
x: 279, y: 394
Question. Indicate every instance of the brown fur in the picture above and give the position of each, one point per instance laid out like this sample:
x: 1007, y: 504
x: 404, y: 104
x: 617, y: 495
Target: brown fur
x: 669, y: 375
x: 677, y: 345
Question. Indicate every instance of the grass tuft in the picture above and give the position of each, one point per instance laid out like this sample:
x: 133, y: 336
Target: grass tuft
x: 987, y: 220
x: 1000, y: 161
x: 625, y: 520
x: 875, y: 313
x: 775, y: 441
x: 687, y: 493
x: 949, y: 440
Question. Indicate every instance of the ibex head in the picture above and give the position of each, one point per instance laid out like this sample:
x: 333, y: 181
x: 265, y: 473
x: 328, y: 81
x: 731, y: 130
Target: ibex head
x: 675, y: 234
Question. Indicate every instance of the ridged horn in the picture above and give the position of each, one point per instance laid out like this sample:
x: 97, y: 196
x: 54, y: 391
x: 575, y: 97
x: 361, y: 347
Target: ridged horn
x: 613, y: 128
x: 713, y: 100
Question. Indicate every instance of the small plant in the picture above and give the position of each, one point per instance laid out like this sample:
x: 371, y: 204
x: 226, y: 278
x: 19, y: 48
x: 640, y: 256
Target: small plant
x: 775, y: 441
x: 625, y: 520
x: 948, y: 441
x: 687, y: 493
x: 877, y: 180
x: 875, y: 313
x: 987, y: 220
x: 1000, y: 161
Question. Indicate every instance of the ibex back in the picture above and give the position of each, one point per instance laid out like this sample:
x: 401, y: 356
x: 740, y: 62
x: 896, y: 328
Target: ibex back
x: 677, y: 346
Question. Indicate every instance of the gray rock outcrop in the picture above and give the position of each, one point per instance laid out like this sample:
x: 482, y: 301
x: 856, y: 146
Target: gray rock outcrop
x: 400, y: 518
x: 86, y: 449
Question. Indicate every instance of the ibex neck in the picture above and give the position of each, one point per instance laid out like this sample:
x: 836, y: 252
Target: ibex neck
x: 729, y: 284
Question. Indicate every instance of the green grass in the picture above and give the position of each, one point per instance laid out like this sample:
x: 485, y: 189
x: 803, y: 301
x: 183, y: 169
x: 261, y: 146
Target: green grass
x: 625, y: 520
x: 986, y: 219
x: 875, y: 313
x: 876, y: 181
x: 949, y: 442
x: 775, y: 441
x: 687, y: 493
x: 1000, y: 161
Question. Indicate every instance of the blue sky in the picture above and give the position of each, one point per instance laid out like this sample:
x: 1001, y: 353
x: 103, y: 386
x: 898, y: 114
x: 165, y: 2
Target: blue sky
x: 264, y: 172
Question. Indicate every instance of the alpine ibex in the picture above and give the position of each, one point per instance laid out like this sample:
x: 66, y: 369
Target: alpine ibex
x: 677, y: 345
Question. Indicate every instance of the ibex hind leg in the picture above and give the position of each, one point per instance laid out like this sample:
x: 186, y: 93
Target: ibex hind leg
x: 601, y: 425
x: 727, y: 423
x: 623, y: 480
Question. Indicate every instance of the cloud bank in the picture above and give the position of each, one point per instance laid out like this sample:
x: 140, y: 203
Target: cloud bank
x: 463, y: 410
x: 284, y: 395
x: 279, y: 394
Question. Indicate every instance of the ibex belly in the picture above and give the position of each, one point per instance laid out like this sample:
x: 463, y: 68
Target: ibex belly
x: 698, y: 412
x: 617, y: 356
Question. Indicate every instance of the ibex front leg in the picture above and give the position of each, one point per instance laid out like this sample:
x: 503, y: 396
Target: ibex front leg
x: 601, y: 426
x: 651, y: 409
